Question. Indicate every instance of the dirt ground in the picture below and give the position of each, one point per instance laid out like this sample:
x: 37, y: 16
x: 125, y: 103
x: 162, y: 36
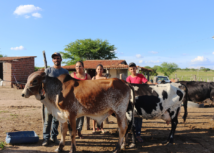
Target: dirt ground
x: 20, y: 114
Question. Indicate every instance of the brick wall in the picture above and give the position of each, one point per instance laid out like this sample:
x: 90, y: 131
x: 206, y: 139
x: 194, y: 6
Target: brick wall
x: 22, y: 68
x: 7, y: 73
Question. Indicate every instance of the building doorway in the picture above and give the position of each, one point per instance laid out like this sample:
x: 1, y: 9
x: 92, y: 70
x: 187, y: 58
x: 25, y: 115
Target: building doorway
x: 1, y: 71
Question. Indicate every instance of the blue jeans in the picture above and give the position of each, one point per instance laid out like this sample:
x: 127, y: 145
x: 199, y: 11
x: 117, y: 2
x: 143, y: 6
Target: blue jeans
x: 79, y: 124
x: 138, y: 125
x: 47, y: 126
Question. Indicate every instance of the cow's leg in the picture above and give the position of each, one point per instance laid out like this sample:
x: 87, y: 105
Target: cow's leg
x: 131, y: 129
x: 174, y: 123
x: 185, y: 108
x: 64, y: 129
x: 122, y: 124
x: 133, y: 144
x: 72, y: 121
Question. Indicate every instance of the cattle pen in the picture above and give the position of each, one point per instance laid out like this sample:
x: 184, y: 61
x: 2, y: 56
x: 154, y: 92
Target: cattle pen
x: 19, y: 114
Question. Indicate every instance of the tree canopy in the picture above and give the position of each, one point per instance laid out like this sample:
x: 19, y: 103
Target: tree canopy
x: 167, y: 68
x: 154, y: 71
x: 87, y: 49
x: 3, y: 55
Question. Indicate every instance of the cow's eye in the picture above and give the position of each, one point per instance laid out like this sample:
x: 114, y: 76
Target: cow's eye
x: 34, y: 81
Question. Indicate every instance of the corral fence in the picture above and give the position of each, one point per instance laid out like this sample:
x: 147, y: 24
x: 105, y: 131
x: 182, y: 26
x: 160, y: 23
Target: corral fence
x: 194, y: 78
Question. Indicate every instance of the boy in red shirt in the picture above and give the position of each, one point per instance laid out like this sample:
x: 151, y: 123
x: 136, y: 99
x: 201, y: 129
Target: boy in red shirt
x: 136, y: 79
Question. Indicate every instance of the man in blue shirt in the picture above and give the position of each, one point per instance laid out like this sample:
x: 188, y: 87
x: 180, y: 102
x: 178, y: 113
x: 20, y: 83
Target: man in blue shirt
x: 49, y: 133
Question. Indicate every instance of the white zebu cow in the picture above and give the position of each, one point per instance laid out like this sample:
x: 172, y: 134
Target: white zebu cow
x: 157, y: 101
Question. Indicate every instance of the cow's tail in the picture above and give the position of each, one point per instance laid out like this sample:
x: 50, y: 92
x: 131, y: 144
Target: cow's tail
x: 131, y: 123
x: 132, y: 100
x: 185, y: 102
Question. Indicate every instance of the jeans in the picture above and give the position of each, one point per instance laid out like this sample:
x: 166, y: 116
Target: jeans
x: 138, y: 124
x: 47, y: 126
x: 79, y: 124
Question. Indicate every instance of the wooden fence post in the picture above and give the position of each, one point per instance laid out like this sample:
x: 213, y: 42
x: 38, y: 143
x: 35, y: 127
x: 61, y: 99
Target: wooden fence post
x: 175, y: 76
x: 86, y: 124
x: 194, y: 77
x: 121, y: 76
x: 154, y: 79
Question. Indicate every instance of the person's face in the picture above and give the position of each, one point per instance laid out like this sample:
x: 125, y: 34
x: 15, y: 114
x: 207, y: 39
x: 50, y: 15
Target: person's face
x: 79, y: 67
x: 57, y: 60
x: 132, y: 70
x: 99, y: 70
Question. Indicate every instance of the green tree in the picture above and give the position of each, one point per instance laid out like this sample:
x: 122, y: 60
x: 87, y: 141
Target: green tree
x: 156, y: 67
x: 168, y: 68
x: 154, y: 71
x: 88, y: 49
x: 3, y: 55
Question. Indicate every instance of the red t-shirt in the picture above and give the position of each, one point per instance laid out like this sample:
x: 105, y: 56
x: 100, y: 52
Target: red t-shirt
x: 139, y: 79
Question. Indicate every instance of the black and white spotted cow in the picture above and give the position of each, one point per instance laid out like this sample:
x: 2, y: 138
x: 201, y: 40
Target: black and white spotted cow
x: 157, y: 101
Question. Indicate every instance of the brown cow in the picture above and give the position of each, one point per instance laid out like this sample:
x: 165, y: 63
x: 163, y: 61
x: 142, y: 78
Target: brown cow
x: 67, y: 99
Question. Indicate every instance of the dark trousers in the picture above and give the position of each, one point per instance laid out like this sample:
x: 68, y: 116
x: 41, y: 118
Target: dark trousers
x: 47, y: 130
x: 138, y: 125
x: 79, y: 124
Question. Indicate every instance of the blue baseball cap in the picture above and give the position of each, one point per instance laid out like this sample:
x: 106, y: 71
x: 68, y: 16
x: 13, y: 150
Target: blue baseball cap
x: 56, y: 54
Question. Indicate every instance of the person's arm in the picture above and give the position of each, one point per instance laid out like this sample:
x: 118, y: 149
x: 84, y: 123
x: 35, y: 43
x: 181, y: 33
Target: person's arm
x: 128, y: 80
x: 88, y: 77
x: 148, y: 82
x: 47, y: 71
x: 72, y: 74
x: 93, y: 78
x: 143, y: 78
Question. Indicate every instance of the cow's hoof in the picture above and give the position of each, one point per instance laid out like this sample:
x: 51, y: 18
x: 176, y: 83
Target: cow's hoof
x: 132, y: 145
x: 123, y: 146
x: 58, y: 150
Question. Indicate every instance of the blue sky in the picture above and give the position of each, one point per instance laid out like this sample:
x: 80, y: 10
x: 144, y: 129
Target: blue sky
x: 145, y: 32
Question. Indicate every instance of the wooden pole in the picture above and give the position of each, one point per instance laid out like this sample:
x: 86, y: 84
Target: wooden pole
x: 45, y: 61
x: 194, y: 77
x: 43, y: 106
x: 121, y: 76
x: 148, y: 76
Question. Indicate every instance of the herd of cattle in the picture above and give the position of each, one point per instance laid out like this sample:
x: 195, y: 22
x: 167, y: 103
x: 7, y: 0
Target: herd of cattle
x: 67, y: 99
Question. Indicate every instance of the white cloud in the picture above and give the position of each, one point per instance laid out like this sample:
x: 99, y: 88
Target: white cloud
x: 37, y: 15
x: 138, y: 56
x: 17, y: 48
x: 27, y: 16
x: 140, y: 61
x: 213, y: 53
x: 153, y: 52
x: 28, y: 9
x: 152, y: 61
x: 199, y: 59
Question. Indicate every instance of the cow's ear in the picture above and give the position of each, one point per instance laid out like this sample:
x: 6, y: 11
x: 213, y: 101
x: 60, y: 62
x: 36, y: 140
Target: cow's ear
x: 43, y: 74
x: 43, y: 77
